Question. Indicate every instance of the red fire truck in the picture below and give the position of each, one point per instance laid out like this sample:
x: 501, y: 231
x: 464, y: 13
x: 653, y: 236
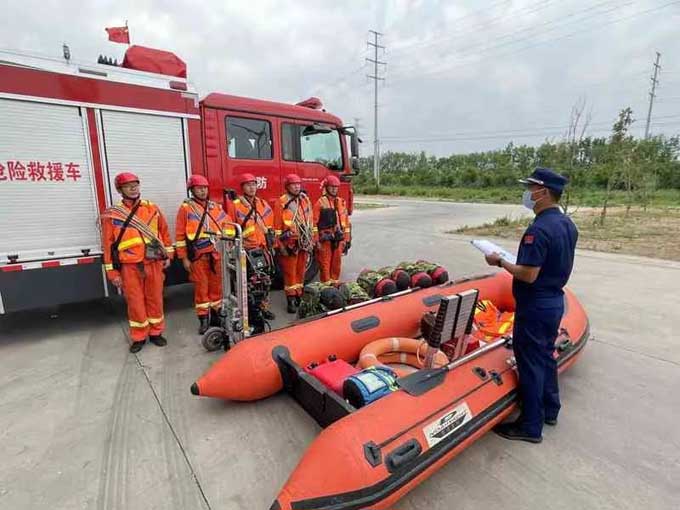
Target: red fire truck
x: 66, y: 129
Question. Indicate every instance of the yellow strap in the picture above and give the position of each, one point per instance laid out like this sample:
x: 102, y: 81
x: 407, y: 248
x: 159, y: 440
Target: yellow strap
x: 134, y: 324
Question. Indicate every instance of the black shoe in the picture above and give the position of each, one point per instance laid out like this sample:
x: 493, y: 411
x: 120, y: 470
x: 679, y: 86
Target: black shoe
x: 292, y: 307
x: 298, y: 300
x: 514, y: 432
x: 137, y: 346
x: 158, y: 340
x: 268, y: 315
x: 550, y: 421
x: 202, y: 324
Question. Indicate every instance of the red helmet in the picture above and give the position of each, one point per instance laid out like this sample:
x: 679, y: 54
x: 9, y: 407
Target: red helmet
x: 331, y: 180
x: 244, y: 178
x: 292, y: 179
x: 197, y: 180
x: 124, y: 178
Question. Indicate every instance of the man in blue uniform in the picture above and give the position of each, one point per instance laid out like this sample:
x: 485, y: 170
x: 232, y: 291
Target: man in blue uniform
x: 544, y: 263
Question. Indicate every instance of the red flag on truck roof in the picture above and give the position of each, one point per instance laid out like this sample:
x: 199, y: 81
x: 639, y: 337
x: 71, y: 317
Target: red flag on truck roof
x: 119, y: 34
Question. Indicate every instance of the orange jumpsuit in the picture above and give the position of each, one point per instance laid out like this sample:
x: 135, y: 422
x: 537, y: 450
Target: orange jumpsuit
x: 330, y: 216
x: 142, y: 277
x: 206, y: 268
x: 286, y: 209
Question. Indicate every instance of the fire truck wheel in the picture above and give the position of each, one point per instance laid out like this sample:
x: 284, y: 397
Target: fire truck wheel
x: 213, y: 339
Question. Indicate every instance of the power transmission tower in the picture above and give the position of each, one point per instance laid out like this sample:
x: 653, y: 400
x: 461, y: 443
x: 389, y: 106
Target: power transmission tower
x: 376, y: 78
x: 652, y: 94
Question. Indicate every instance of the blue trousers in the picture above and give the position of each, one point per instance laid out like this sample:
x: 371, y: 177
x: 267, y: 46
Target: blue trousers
x: 533, y: 343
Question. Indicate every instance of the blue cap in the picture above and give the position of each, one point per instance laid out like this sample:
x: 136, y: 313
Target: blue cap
x: 548, y: 178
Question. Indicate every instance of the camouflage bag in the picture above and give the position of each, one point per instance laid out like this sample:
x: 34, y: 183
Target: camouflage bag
x: 319, y: 298
x: 399, y: 276
x: 438, y: 273
x: 375, y: 284
x: 419, y: 277
x: 353, y: 293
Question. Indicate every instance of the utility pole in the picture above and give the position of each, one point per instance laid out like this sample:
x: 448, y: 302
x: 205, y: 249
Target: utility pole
x: 376, y: 78
x: 652, y: 94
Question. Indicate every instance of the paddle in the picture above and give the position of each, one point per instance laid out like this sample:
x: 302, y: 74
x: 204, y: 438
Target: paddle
x: 426, y: 379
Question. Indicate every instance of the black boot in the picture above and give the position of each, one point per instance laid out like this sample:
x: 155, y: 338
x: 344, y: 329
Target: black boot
x: 514, y: 431
x: 137, y: 346
x: 292, y: 306
x: 202, y: 324
x: 158, y: 340
x: 268, y: 315
x: 298, y: 300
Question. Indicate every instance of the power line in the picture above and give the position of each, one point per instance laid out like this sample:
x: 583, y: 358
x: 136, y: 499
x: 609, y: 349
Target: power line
x: 549, y: 41
x: 376, y: 78
x: 652, y: 94
x: 561, y: 22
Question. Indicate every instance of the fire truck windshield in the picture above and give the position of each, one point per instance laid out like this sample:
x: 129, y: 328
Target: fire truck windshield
x: 322, y: 148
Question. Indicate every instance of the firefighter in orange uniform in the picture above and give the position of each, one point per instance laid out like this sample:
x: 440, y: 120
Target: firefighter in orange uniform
x: 137, y: 248
x: 293, y: 228
x: 331, y: 231
x: 197, y: 219
x: 256, y: 218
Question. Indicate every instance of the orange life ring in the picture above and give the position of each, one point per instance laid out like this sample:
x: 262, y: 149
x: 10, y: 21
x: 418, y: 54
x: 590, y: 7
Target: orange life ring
x: 406, y: 351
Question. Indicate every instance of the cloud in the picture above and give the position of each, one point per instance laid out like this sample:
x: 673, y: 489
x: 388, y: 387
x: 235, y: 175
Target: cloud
x: 463, y: 71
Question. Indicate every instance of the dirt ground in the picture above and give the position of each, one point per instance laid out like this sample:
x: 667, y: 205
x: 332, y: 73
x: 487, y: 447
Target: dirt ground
x: 654, y: 233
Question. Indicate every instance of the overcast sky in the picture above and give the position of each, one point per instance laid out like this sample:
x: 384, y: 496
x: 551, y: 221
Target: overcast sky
x: 461, y: 76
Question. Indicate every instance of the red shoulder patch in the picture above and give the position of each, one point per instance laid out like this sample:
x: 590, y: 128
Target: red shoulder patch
x: 529, y: 239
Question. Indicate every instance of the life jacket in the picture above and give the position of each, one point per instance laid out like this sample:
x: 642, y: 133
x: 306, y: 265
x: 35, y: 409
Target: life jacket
x: 151, y: 228
x: 254, y: 225
x: 330, y: 216
x: 188, y: 220
x: 490, y: 323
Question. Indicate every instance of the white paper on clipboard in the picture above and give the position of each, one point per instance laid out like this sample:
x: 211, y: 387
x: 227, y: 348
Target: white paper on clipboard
x: 487, y: 247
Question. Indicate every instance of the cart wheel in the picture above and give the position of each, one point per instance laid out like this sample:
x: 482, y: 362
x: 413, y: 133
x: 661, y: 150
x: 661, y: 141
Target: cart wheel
x: 213, y: 339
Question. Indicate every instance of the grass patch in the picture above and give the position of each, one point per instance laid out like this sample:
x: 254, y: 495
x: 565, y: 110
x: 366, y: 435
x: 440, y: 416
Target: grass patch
x: 583, y: 197
x: 653, y: 233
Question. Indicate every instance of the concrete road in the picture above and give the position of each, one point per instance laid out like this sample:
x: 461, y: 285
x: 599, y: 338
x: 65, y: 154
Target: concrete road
x: 86, y: 425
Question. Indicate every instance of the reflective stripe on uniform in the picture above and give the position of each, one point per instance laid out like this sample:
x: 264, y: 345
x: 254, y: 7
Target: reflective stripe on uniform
x: 133, y: 241
x: 215, y: 303
x: 248, y: 231
x: 134, y: 324
x: 181, y: 244
x: 108, y: 267
x: 170, y: 249
x: 153, y: 320
x: 202, y: 306
x: 288, y: 223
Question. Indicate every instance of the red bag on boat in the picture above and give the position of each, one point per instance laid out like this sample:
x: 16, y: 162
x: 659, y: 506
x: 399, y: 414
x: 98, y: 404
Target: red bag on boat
x: 332, y: 373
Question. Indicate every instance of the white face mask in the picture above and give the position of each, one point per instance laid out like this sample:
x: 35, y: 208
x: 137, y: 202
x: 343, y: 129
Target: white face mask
x: 527, y: 201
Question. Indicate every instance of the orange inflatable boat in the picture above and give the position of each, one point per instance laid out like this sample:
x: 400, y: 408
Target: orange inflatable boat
x: 380, y: 451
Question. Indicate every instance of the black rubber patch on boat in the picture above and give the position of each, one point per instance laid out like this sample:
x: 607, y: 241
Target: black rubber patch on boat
x: 361, y: 325
x: 432, y: 300
x: 373, y: 454
x: 403, y: 456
